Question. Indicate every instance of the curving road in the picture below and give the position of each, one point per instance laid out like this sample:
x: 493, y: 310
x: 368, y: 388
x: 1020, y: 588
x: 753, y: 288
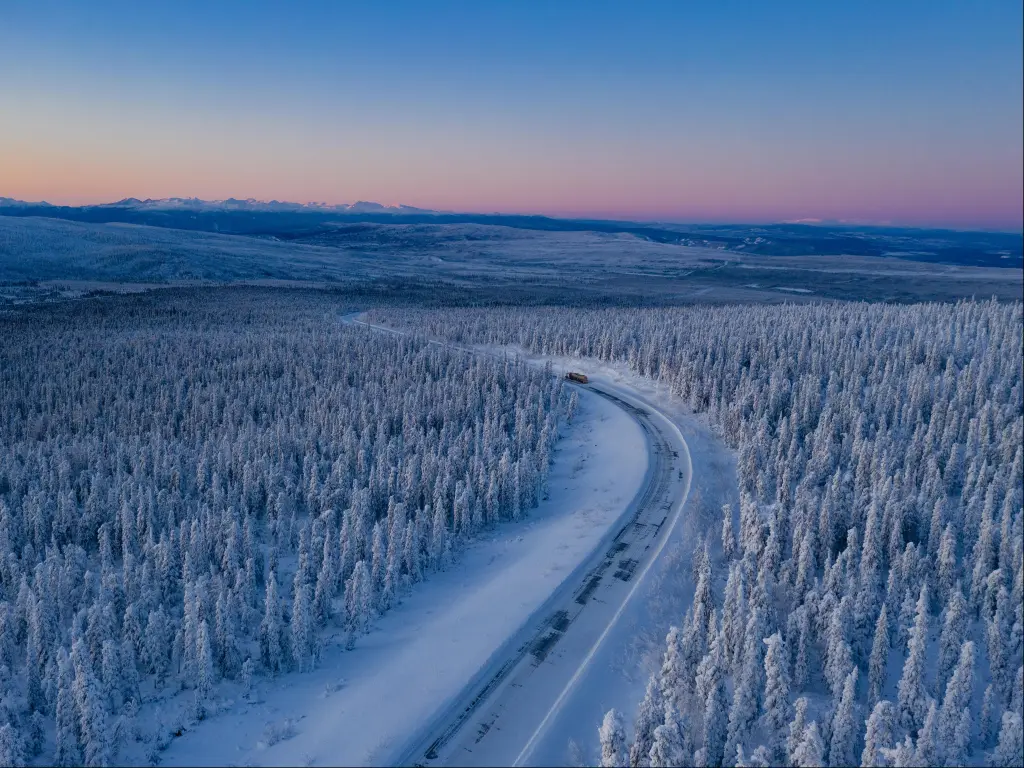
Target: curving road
x: 508, y: 708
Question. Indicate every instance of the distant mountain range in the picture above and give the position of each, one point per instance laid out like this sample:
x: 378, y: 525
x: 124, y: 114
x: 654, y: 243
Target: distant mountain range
x: 338, y: 225
x: 231, y: 204
x: 10, y: 202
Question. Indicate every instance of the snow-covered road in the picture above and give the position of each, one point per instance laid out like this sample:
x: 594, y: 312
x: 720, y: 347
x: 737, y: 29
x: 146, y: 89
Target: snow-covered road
x: 505, y: 716
x: 508, y: 712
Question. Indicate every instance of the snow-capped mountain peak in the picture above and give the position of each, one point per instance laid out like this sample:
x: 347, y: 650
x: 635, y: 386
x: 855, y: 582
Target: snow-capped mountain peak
x: 10, y: 202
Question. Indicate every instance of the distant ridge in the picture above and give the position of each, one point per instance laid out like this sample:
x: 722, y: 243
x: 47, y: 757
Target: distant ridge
x: 10, y: 202
x: 233, y: 204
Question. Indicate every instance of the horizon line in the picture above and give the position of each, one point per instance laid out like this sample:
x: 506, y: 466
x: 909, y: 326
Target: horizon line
x: 653, y: 219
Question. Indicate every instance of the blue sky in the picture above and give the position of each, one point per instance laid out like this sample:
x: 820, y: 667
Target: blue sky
x: 903, y: 112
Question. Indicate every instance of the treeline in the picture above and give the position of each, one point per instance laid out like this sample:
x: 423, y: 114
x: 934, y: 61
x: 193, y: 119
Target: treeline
x: 193, y: 488
x: 872, y: 611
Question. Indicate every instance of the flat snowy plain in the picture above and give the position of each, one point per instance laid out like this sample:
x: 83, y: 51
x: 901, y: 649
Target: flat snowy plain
x: 359, y: 707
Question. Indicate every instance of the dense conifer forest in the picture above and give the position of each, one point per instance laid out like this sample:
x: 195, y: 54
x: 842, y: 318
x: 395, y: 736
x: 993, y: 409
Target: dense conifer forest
x: 193, y: 485
x: 863, y: 604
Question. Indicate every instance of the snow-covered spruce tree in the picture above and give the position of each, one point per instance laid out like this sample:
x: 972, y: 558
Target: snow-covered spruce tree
x: 728, y: 535
x: 810, y: 751
x: 958, y: 693
x: 733, y: 610
x: 845, y: 726
x: 954, y: 630
x: 879, y: 734
x: 204, y: 661
x: 926, y: 751
x: 272, y: 646
x: 759, y: 758
x: 649, y: 716
x: 1003, y: 637
x: 749, y: 684
x: 359, y: 602
x: 91, y: 708
x: 612, y: 736
x: 710, y: 671
x: 879, y: 658
x: 902, y: 755
x: 157, y: 645
x: 68, y: 732
x: 1010, y: 750
x: 713, y: 730
x: 796, y: 727
x: 304, y: 645
x: 989, y: 713
x: 776, y: 715
x: 671, y: 745
x: 228, y: 659
x: 912, y: 696
x: 958, y: 744
x: 670, y: 679
x: 12, y: 750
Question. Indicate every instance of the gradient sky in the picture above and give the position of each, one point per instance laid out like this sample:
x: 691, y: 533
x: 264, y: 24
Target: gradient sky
x: 871, y: 112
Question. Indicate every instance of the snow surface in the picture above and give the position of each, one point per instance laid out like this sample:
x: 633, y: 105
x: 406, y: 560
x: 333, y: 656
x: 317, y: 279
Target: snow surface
x: 359, y: 707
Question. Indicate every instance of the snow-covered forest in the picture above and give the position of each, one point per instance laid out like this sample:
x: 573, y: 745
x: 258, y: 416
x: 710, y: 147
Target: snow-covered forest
x: 863, y: 605
x: 191, y: 489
